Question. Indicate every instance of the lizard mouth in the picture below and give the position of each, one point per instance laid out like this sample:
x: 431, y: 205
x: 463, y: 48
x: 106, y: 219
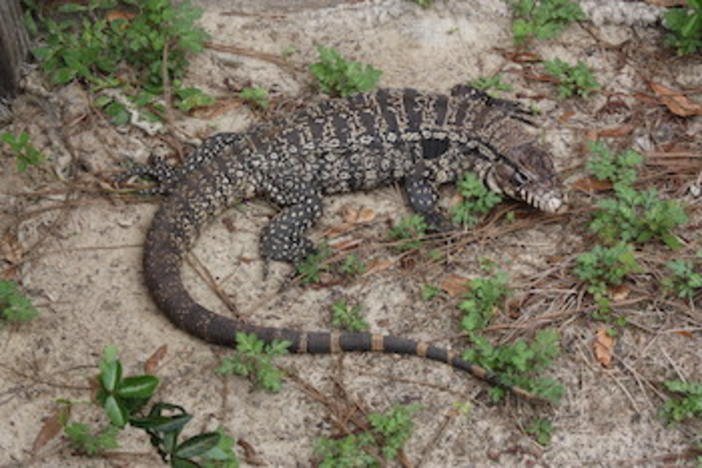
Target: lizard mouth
x: 551, y: 201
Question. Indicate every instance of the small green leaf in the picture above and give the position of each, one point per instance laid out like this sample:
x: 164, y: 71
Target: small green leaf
x: 197, y: 445
x: 115, y: 411
x: 110, y: 374
x: 142, y: 386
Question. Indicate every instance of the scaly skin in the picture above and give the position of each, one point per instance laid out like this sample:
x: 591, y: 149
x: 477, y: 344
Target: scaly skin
x: 345, y: 145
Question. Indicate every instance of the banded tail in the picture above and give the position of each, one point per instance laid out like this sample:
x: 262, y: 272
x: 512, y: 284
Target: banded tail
x: 168, y: 240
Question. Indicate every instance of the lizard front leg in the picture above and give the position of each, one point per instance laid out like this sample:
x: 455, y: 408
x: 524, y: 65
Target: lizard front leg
x: 422, y: 196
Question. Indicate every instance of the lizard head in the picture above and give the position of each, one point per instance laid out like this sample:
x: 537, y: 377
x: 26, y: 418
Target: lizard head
x: 527, y: 173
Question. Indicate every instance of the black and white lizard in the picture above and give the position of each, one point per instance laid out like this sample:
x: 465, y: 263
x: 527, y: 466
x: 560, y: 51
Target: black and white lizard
x: 357, y: 143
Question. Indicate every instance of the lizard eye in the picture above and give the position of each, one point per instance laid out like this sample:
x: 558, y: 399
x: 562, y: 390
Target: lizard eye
x: 519, y: 179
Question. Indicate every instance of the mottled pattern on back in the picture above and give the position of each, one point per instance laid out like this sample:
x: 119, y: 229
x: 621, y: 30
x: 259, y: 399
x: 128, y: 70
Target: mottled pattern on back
x: 362, y: 142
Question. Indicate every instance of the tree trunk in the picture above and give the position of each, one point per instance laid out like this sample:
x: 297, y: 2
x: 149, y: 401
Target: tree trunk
x: 14, y: 44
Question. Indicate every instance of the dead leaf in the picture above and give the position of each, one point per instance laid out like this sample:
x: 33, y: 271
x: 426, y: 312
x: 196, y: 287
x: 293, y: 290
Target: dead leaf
x: 52, y: 427
x: 455, y: 285
x: 380, y: 265
x: 366, y: 215
x: 603, y: 347
x: 566, y: 116
x: 347, y: 244
x: 684, y: 333
x: 676, y: 102
x: 363, y: 215
x: 155, y: 359
x: 619, y: 293
x: 119, y: 14
x: 590, y: 184
x: 616, y: 132
x: 10, y: 249
x: 250, y: 455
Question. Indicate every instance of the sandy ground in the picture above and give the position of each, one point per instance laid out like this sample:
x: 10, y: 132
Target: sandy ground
x: 77, y: 254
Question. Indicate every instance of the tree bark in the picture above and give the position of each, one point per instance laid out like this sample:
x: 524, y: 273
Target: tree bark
x: 14, y: 44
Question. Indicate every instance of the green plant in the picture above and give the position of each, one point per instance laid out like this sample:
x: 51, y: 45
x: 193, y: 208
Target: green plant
x: 122, y: 396
x: 351, y: 265
x: 164, y: 424
x: 493, y: 82
x: 348, y: 318
x: 685, y: 281
x: 123, y: 399
x: 14, y: 306
x: 617, y: 168
x: 154, y: 38
x: 631, y: 215
x: 314, y: 264
x: 685, y: 24
x: 346, y: 452
x: 389, y: 432
x: 410, y: 230
x: 543, y: 19
x: 479, y: 303
x: 89, y: 442
x: 429, y: 292
x: 688, y: 406
x: 572, y: 80
x: 253, y: 359
x: 23, y: 150
x: 257, y: 95
x: 477, y: 201
x: 340, y: 77
x: 603, y: 267
x: 519, y: 363
x: 637, y: 216
x: 542, y: 430
x: 423, y: 3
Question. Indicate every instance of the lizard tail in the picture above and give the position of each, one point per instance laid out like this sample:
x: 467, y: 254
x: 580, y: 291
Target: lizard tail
x: 168, y: 239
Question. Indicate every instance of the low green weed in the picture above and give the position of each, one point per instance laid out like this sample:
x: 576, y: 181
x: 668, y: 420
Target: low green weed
x: 604, y: 267
x: 631, y: 215
x: 410, y: 230
x: 23, y: 150
x: 619, y: 168
x: 351, y: 265
x: 572, y: 79
x: 429, y: 292
x: 124, y: 399
x: 493, y: 82
x: 149, y: 36
x: 519, y: 363
x: 423, y: 3
x: 479, y: 303
x: 254, y: 359
x: 348, y: 317
x: 542, y: 430
x: 314, y: 265
x: 477, y: 200
x: 684, y: 282
x: 14, y: 306
x: 340, y: 77
x: 388, y: 434
x: 257, y: 95
x: 685, y: 24
x: 637, y: 216
x: 543, y: 19
x: 92, y: 442
x: 687, y: 406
